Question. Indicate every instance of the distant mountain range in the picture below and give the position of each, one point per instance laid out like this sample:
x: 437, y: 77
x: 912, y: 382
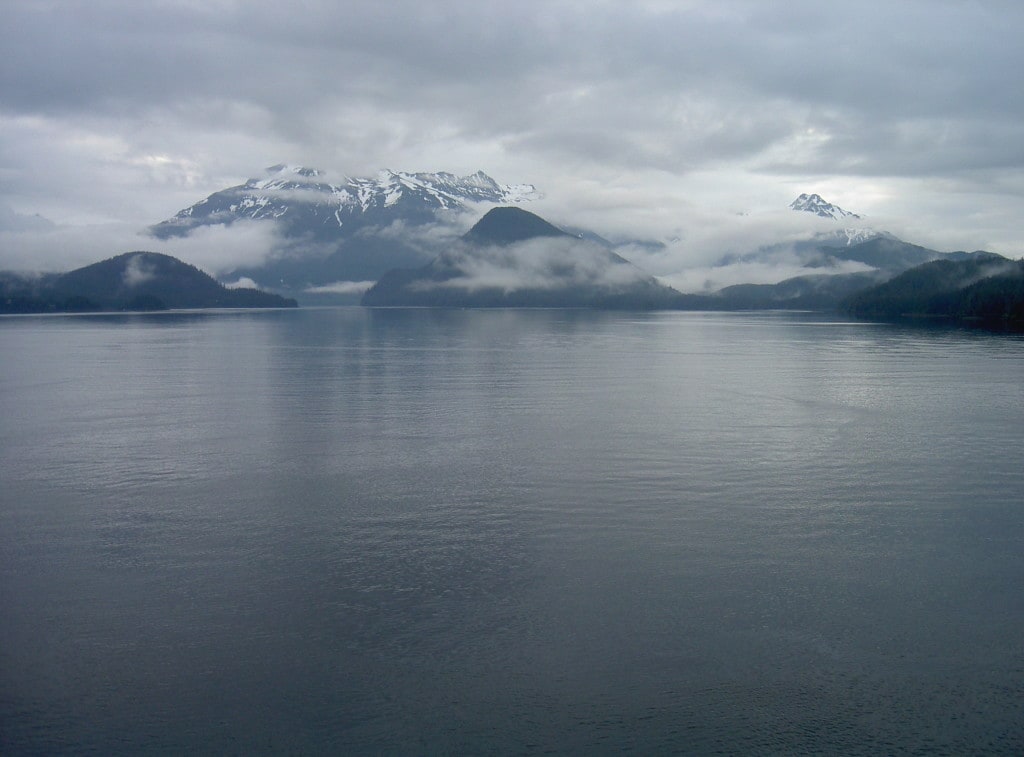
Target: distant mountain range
x: 394, y: 236
x: 393, y: 240
x: 884, y: 258
x: 353, y: 230
x: 131, y: 281
x: 881, y: 257
x: 513, y: 258
x: 307, y: 204
x: 336, y: 238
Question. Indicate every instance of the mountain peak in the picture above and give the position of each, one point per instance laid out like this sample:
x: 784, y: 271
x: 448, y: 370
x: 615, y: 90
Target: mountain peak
x: 307, y: 203
x: 480, y: 179
x: 507, y: 225
x: 816, y: 204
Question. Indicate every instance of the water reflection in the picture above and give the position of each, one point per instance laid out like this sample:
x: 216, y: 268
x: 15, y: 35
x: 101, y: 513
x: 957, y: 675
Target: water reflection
x: 419, y: 530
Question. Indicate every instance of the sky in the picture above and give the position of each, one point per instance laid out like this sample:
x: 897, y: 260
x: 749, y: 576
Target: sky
x: 695, y: 121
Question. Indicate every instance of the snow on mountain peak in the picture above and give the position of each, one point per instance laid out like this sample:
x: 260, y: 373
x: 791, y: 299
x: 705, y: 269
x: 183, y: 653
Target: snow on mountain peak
x: 306, y: 197
x: 814, y: 203
x: 480, y: 179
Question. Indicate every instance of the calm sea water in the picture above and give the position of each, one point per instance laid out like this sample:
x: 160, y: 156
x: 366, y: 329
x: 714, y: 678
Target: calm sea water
x: 415, y: 531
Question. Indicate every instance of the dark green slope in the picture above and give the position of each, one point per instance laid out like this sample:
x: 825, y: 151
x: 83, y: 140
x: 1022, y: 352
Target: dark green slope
x: 504, y: 226
x: 977, y: 286
x: 130, y: 281
x: 812, y: 292
x: 887, y: 256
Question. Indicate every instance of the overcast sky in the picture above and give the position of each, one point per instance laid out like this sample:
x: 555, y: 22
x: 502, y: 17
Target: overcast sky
x: 667, y: 119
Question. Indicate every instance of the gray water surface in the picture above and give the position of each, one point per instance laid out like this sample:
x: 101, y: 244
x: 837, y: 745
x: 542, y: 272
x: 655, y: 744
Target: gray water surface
x: 416, y: 531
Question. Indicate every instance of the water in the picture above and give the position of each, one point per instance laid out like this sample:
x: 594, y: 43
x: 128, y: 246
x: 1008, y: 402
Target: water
x: 417, y: 531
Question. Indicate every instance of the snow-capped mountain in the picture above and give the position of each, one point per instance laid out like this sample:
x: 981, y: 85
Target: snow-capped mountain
x: 814, y: 203
x: 339, y: 235
x: 304, y: 201
x: 818, y: 206
x: 833, y: 241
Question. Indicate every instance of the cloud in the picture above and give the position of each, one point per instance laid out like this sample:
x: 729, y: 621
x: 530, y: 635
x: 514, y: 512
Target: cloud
x: 705, y: 279
x: 722, y: 248
x: 427, y: 238
x: 137, y: 272
x: 341, y: 287
x: 63, y: 248
x: 545, y: 263
x: 219, y: 249
x: 121, y: 112
x: 244, y: 282
x: 214, y: 249
x: 12, y: 221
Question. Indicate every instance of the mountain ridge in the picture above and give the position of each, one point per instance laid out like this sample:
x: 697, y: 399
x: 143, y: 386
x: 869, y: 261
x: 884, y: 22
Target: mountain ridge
x: 968, y: 286
x: 292, y: 192
x: 138, y: 280
x: 350, y: 230
x: 343, y: 237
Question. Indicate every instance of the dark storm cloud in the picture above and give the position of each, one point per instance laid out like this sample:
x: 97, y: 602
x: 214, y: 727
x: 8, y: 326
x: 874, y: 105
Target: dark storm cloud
x: 127, y: 111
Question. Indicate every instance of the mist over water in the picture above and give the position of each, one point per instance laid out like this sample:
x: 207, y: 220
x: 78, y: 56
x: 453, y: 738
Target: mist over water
x: 419, y: 531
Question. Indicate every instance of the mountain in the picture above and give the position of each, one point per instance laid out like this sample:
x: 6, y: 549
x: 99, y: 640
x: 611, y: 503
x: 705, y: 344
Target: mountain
x: 887, y: 254
x: 979, y: 285
x: 348, y: 231
x: 810, y: 292
x: 818, y: 248
x: 505, y: 226
x: 513, y: 258
x: 836, y: 262
x: 305, y: 203
x: 885, y: 257
x: 816, y: 205
x: 813, y: 203
x: 131, y: 281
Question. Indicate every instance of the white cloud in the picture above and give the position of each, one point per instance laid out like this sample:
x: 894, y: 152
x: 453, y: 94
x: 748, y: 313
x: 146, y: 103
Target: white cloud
x: 136, y: 271
x: 63, y: 248
x: 218, y: 249
x: 703, y: 279
x: 635, y: 119
x: 542, y: 263
x: 214, y: 249
x: 243, y: 282
x: 341, y: 287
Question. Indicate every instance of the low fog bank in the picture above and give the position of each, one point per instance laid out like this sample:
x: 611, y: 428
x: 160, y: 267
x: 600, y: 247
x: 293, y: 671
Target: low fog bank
x: 536, y: 264
x: 214, y: 249
x: 346, y: 288
x: 712, y: 251
x: 710, y: 279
